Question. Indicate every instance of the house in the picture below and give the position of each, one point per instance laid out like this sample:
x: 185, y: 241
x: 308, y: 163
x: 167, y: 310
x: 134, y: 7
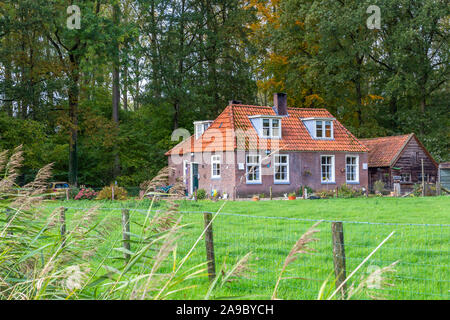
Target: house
x: 251, y: 149
x: 399, y: 158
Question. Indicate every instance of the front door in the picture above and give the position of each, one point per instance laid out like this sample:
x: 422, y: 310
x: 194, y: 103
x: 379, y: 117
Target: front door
x: 194, y: 177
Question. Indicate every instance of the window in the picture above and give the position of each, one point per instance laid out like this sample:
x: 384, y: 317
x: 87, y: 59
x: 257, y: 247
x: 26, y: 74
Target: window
x: 215, y: 166
x: 328, y: 129
x: 319, y: 129
x: 266, y: 128
x: 253, y: 169
x: 352, y: 168
x: 200, y: 128
x: 405, y: 177
x: 271, y: 128
x: 324, y: 129
x: 185, y: 168
x: 427, y: 178
x: 327, y: 168
x: 281, y: 168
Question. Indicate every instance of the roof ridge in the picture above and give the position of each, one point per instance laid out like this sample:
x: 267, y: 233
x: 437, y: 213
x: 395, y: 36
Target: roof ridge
x: 387, y: 137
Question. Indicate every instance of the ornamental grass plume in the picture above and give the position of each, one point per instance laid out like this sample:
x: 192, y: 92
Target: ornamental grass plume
x: 300, y: 247
x: 37, y: 261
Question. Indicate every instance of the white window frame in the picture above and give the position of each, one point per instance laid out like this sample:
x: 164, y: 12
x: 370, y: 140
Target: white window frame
x: 200, y: 127
x: 323, y: 125
x: 356, y: 168
x: 185, y: 166
x: 279, y: 164
x: 252, y: 164
x: 408, y: 174
x: 271, y: 127
x: 333, y: 175
x: 216, y: 160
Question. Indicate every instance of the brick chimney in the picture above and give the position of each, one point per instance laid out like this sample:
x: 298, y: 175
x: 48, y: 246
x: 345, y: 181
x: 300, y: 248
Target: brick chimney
x: 280, y: 103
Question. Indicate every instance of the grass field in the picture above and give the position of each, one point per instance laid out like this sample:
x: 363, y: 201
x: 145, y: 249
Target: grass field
x: 269, y: 229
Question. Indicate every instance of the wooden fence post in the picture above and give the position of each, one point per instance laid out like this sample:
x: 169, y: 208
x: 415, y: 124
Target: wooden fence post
x: 438, y: 188
x: 209, y: 242
x: 62, y: 228
x: 270, y: 190
x: 423, y: 180
x: 126, y: 233
x: 337, y: 230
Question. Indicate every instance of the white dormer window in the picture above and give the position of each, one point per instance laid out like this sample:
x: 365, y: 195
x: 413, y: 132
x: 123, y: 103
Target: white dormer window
x: 200, y: 127
x: 324, y: 129
x: 319, y: 127
x: 271, y: 128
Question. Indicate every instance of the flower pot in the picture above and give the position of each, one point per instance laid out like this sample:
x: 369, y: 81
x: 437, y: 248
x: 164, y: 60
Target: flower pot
x: 292, y: 197
x: 255, y: 198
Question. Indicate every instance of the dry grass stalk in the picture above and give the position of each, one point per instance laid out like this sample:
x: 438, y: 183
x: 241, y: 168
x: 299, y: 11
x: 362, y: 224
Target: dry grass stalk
x: 375, y: 280
x: 241, y: 269
x: 300, y: 247
x: 33, y: 192
x: 3, y: 159
x: 11, y: 169
x: 168, y: 246
x: 161, y: 179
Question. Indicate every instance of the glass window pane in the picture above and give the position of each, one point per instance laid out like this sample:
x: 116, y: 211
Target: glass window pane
x: 328, y: 129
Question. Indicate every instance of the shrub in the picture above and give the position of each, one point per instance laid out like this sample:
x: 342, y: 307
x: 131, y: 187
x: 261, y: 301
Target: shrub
x: 292, y: 194
x: 326, y: 194
x: 86, y: 194
x: 73, y: 192
x: 308, y: 189
x: 345, y: 191
x: 378, y: 186
x: 106, y: 193
x: 201, y: 194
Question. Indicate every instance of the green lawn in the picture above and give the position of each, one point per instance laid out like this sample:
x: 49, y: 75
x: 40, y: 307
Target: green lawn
x: 269, y: 229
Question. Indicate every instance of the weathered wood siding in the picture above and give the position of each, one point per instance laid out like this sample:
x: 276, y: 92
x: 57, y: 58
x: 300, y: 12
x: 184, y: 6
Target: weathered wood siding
x: 410, y: 162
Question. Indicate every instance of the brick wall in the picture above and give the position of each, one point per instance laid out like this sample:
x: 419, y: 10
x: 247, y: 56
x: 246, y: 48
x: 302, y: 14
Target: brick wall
x: 232, y: 178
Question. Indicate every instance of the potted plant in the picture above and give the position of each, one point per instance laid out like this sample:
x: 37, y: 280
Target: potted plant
x: 255, y: 197
x: 292, y: 196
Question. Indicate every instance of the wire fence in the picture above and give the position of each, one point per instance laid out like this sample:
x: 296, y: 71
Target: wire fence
x: 422, y: 252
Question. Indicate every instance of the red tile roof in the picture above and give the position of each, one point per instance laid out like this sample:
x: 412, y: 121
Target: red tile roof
x: 295, y: 136
x: 385, y: 150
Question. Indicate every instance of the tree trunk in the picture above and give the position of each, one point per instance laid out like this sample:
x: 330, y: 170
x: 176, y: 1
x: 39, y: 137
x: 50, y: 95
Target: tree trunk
x: 125, y: 88
x: 116, y: 92
x: 73, y: 115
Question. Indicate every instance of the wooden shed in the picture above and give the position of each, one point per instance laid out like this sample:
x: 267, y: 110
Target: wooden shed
x: 399, y: 158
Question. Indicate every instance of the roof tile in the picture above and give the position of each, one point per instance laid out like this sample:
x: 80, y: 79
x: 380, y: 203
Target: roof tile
x: 384, y: 150
x: 295, y: 136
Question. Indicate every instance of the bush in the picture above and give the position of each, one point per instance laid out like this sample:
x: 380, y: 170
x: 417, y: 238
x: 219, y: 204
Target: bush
x: 345, y: 191
x: 86, y: 194
x: 73, y: 192
x: 106, y: 193
x: 378, y: 186
x: 309, y: 190
x: 326, y: 194
x: 201, y: 194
